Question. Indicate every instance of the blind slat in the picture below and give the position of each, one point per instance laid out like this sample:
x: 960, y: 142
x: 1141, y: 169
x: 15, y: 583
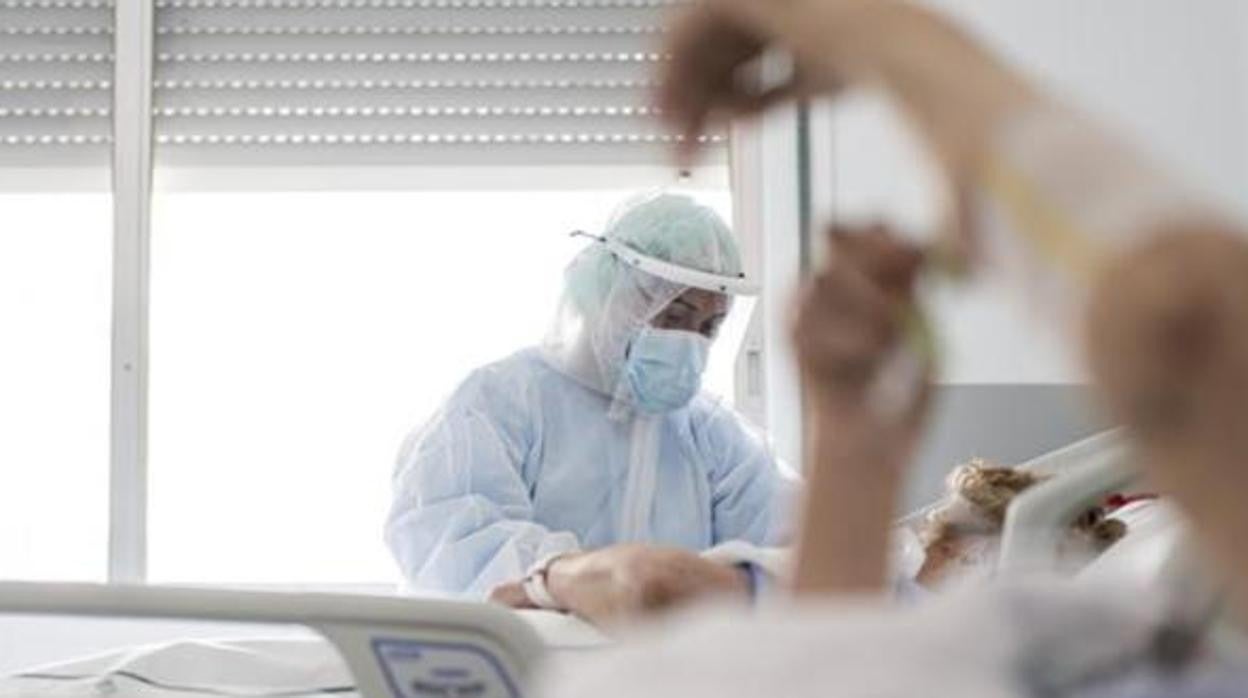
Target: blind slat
x: 341, y: 82
x: 56, y: 69
x: 476, y: 82
x: 501, y: 5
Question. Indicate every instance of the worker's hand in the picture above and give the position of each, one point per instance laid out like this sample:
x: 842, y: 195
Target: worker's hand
x: 854, y: 327
x: 623, y: 582
x: 955, y: 94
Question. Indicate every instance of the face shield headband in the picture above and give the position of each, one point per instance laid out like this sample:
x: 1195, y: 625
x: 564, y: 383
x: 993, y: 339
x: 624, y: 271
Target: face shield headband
x: 737, y: 285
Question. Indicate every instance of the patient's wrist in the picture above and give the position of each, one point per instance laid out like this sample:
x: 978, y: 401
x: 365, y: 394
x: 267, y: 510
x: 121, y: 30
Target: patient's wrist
x: 854, y: 440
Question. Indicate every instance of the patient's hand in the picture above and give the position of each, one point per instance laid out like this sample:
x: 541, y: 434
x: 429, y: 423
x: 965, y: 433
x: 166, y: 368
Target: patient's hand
x: 626, y: 581
x: 954, y: 91
x: 850, y: 326
x: 1168, y: 345
x: 851, y: 321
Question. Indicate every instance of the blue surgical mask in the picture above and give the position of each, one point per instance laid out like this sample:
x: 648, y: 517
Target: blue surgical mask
x: 664, y: 368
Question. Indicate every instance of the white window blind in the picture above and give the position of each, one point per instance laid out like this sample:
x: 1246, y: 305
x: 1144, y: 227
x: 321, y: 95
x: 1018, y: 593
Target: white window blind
x: 410, y: 82
x: 56, y: 69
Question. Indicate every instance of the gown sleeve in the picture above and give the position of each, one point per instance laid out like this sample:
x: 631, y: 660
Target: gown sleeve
x: 461, y: 521
x: 752, y: 497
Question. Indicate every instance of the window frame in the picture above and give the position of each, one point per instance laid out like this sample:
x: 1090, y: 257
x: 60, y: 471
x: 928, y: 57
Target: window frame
x: 763, y: 199
x: 133, y: 40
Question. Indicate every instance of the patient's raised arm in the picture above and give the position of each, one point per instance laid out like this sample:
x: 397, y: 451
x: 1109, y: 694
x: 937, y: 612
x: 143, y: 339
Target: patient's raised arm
x: 1168, y: 346
x: 853, y: 340
x: 1113, y: 242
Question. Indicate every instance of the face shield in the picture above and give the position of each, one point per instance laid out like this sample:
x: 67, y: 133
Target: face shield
x: 653, y: 250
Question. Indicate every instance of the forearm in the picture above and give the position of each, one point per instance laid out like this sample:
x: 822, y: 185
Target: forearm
x: 953, y: 88
x: 847, y: 521
x: 439, y: 551
x: 1167, y: 341
x: 1213, y: 506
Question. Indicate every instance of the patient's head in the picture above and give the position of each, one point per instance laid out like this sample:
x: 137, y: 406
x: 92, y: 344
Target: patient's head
x: 964, y: 532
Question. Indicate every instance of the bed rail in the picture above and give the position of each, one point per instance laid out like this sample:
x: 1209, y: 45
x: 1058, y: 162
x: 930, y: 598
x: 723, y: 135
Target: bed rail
x: 1086, y: 472
x: 394, y: 647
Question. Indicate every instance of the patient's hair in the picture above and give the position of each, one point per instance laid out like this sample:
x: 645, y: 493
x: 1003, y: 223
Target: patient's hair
x: 973, y: 513
x: 979, y: 494
x: 990, y: 488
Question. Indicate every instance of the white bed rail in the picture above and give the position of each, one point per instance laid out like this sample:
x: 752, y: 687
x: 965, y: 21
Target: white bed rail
x: 385, y: 641
x: 1086, y: 472
x: 1067, y: 458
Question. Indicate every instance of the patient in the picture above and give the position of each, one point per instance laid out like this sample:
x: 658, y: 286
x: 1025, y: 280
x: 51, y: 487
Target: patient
x: 962, y: 535
x: 1159, y: 284
x: 1149, y: 279
x: 846, y: 638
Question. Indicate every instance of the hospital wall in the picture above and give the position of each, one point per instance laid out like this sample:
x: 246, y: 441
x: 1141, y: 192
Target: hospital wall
x: 1171, y: 76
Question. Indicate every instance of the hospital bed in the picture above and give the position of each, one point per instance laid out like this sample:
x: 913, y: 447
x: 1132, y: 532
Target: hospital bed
x: 1085, y: 473
x: 1082, y: 474
x: 1152, y: 553
x: 389, y: 647
x: 370, y: 646
x: 1156, y: 557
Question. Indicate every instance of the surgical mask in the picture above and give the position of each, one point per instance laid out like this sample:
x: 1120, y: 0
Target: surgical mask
x: 664, y: 368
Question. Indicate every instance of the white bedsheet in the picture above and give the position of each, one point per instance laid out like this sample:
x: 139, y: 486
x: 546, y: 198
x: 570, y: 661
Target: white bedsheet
x: 273, y: 668
x: 162, y: 659
x: 979, y: 642
x: 27, y: 641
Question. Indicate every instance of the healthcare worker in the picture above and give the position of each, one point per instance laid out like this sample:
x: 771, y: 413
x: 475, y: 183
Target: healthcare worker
x: 599, y: 436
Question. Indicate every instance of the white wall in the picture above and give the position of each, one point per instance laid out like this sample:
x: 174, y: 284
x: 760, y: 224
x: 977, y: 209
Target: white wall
x: 1170, y: 75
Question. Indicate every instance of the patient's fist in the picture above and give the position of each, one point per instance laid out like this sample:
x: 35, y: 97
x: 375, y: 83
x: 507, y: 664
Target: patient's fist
x: 1168, y: 341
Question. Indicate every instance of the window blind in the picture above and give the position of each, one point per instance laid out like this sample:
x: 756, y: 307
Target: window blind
x: 56, y: 71
x: 410, y: 82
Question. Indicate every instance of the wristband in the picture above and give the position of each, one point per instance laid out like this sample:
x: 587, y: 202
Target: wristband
x: 535, y: 584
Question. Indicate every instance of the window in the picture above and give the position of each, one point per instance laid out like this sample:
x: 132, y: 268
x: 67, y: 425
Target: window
x: 54, y: 298
x: 55, y: 257
x: 252, y: 364
x: 298, y: 337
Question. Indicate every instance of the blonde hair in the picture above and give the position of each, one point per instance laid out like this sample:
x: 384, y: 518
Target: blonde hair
x: 980, y: 493
x: 990, y: 488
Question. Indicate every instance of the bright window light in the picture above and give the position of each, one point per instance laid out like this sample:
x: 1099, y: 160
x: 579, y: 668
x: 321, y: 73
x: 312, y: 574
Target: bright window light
x: 55, y: 253
x: 298, y: 337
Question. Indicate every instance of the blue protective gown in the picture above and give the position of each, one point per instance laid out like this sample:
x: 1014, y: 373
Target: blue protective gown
x: 522, y: 461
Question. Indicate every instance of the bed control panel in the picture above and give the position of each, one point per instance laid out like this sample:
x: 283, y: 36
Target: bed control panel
x: 419, y: 669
